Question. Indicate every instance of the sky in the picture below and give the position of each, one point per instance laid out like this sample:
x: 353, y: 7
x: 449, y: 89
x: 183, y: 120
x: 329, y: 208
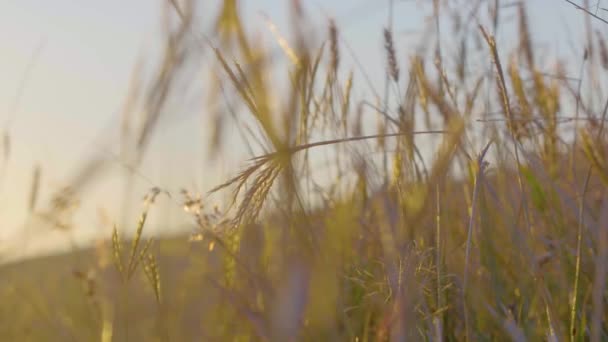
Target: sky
x: 65, y: 67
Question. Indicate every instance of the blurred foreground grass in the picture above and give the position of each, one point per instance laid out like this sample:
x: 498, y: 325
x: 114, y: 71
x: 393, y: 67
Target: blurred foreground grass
x: 500, y: 232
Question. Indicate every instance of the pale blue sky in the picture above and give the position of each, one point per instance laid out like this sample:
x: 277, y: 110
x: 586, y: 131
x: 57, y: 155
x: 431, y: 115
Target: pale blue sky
x: 79, y: 79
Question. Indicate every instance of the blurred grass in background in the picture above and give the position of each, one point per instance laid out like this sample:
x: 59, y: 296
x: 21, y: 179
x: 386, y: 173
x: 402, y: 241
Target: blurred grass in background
x: 496, y: 230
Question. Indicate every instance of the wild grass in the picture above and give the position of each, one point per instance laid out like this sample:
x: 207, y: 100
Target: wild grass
x: 392, y: 239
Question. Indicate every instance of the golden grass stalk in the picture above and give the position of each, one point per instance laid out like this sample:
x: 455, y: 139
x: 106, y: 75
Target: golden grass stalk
x: 153, y: 275
x: 289, y: 52
x: 579, y: 233
x: 599, y: 280
x: 525, y: 42
x: 334, y: 51
x: 480, y: 166
x: 520, y: 91
x: 603, y: 50
x: 346, y: 102
x: 117, y: 252
x: 133, y: 260
x: 391, y: 55
x: 438, y: 320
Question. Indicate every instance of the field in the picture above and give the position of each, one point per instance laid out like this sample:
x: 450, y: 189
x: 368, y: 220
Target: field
x: 465, y: 201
